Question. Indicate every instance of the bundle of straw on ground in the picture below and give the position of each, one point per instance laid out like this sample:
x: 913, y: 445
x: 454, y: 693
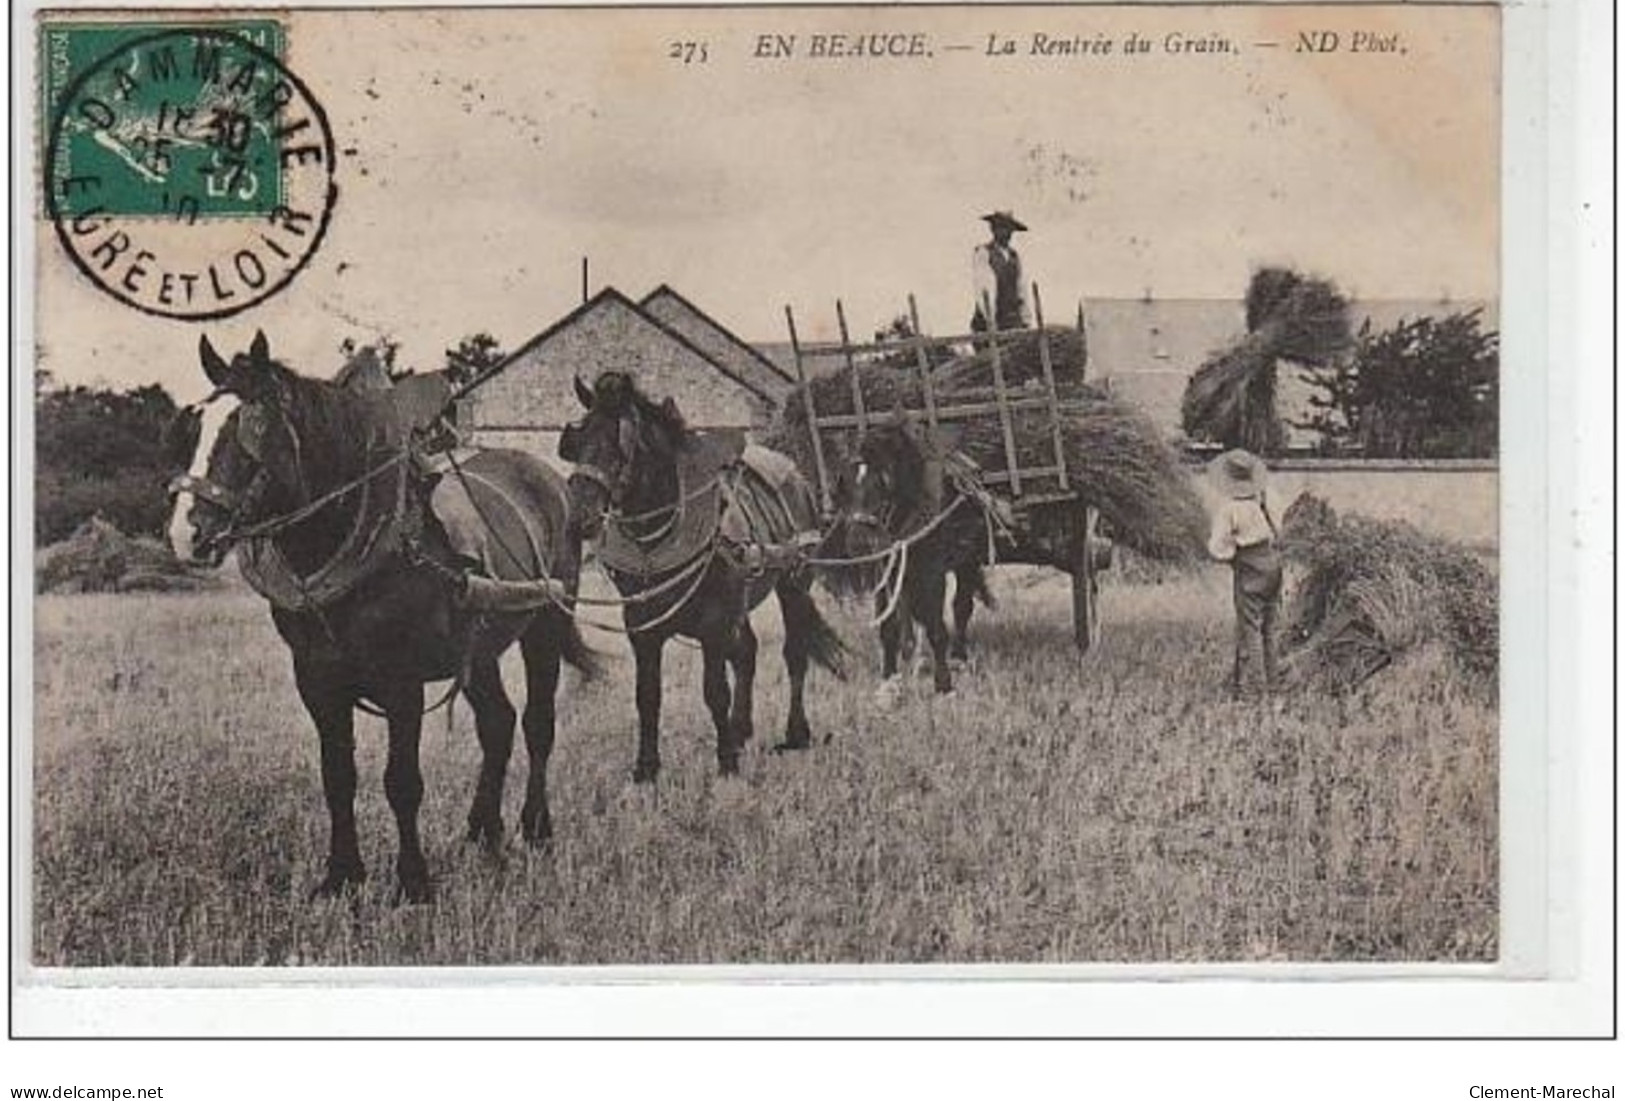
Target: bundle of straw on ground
x: 1116, y: 459
x: 1370, y: 592
x: 1230, y: 399
x: 98, y: 557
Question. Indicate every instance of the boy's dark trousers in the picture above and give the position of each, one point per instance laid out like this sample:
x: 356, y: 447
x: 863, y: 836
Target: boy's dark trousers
x: 1256, y: 571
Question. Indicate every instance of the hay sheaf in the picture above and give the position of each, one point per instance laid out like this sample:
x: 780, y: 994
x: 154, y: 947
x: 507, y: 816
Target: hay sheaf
x: 1231, y: 397
x: 1373, y: 591
x: 1115, y: 457
x: 99, y: 558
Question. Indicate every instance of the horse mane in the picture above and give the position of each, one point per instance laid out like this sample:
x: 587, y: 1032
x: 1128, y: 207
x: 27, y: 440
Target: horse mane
x: 332, y: 422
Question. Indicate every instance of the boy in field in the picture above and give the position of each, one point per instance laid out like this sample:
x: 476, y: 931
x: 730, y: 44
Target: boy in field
x: 1244, y: 535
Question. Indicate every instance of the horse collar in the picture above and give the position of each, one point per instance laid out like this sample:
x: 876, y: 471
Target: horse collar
x: 689, y: 529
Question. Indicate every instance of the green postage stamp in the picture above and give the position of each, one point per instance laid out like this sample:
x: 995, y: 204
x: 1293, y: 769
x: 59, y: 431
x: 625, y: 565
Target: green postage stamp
x: 168, y: 122
x: 187, y: 171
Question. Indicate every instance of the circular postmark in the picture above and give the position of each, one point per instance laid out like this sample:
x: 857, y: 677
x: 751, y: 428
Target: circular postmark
x: 188, y: 172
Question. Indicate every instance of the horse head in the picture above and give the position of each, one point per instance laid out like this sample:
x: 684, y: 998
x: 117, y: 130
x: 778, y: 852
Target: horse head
x: 623, y: 443
x: 237, y: 451
x: 886, y: 481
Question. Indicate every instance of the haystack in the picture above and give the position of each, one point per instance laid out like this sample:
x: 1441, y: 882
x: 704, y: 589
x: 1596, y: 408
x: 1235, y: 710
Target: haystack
x: 1115, y: 457
x: 99, y: 558
x: 1372, y: 591
x: 1231, y: 397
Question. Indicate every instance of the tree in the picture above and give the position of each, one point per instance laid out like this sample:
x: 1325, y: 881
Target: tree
x: 1424, y: 389
x: 473, y: 356
x: 101, y: 451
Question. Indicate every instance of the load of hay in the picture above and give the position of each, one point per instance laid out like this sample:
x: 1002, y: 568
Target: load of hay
x: 1115, y: 457
x: 1372, y: 591
x: 1231, y: 398
x: 99, y: 558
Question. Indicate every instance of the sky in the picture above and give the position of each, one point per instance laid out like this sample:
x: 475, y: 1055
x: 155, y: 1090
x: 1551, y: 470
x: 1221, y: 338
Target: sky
x: 484, y: 153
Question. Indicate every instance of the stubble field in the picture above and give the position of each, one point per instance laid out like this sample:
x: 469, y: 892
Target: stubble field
x: 1111, y: 808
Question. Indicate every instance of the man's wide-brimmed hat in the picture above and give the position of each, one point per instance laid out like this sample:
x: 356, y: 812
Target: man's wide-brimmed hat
x: 1004, y: 218
x: 1238, y: 474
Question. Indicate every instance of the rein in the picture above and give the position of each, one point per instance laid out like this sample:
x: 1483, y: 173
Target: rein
x: 677, y: 509
x: 287, y: 520
x: 692, y: 572
x: 902, y: 543
x: 659, y: 510
x: 889, y: 590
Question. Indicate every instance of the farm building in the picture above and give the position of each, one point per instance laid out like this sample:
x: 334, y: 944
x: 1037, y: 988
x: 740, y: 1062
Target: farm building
x: 709, y: 335
x: 530, y: 401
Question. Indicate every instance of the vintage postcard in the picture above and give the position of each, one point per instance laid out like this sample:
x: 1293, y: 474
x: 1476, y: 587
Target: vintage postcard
x: 620, y: 487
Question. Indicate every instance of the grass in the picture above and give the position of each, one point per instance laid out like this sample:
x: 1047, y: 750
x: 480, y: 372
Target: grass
x: 1113, y: 808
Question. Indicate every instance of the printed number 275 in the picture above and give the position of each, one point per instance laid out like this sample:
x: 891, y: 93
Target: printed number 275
x: 689, y: 53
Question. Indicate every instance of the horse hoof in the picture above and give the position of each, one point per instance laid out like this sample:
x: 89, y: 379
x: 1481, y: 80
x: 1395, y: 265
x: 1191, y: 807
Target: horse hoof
x: 645, y: 774
x: 538, y: 833
x: 888, y: 693
x: 793, y: 745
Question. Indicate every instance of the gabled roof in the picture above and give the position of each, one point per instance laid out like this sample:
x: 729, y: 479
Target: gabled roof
x: 611, y: 295
x: 747, y: 354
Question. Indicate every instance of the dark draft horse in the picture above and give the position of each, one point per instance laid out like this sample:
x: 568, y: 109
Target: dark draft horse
x: 634, y: 461
x: 903, y: 487
x: 368, y: 614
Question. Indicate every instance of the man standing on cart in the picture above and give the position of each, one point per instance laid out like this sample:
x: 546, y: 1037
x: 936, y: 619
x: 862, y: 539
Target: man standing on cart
x: 997, y: 277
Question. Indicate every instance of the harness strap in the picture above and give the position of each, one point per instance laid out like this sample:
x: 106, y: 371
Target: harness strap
x: 212, y: 492
x: 539, y: 558
x: 281, y: 523
x: 594, y: 474
x: 659, y: 510
x: 694, y: 573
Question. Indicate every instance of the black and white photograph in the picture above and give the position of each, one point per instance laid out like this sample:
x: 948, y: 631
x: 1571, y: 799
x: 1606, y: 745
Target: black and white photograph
x: 801, y: 491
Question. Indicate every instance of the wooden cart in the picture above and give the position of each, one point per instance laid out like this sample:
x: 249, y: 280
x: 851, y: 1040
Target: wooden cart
x: 1027, y: 488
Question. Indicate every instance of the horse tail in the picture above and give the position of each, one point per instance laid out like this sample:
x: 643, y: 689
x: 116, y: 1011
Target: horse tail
x: 824, y: 646
x: 577, y: 654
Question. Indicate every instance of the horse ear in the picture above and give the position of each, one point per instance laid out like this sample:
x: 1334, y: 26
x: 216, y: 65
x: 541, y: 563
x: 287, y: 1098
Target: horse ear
x: 583, y: 395
x: 218, y: 370
x: 669, y: 409
x: 260, y: 350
